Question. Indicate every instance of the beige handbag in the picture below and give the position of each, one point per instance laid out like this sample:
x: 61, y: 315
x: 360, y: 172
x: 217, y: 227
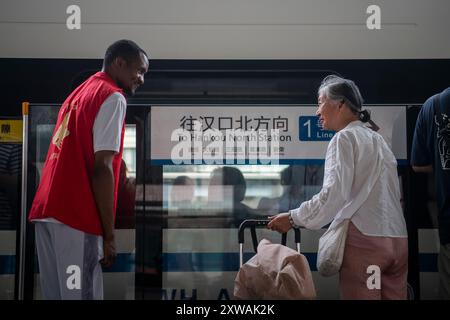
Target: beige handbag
x: 331, y: 249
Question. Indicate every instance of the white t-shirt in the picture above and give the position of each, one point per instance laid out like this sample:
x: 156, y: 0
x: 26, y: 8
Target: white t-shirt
x: 107, y: 128
x: 108, y: 123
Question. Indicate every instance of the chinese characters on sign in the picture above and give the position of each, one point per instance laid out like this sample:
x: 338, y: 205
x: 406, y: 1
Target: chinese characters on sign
x: 256, y: 138
x: 242, y: 122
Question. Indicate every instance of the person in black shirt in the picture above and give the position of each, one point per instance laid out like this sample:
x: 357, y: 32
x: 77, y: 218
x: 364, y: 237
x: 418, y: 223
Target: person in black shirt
x: 431, y: 153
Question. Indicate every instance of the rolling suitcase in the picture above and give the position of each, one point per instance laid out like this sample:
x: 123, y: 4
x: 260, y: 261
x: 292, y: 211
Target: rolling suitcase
x: 275, y: 272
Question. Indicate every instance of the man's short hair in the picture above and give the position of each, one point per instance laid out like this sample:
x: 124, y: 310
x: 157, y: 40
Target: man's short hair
x: 126, y: 49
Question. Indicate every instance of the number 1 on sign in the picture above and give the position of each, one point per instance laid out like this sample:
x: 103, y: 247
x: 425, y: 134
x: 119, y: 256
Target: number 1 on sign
x: 308, y: 125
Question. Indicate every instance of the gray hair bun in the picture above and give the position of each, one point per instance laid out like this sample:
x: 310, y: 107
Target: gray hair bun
x: 364, y: 115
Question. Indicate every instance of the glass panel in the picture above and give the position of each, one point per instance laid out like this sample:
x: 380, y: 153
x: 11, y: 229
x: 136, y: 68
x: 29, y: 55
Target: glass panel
x: 206, y: 204
x: 10, y: 178
x: 129, y: 149
x: 43, y: 136
x: 119, y: 279
x: 42, y: 119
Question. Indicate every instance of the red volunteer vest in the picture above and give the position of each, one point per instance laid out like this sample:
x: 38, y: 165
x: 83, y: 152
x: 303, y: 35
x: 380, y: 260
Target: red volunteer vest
x: 65, y: 191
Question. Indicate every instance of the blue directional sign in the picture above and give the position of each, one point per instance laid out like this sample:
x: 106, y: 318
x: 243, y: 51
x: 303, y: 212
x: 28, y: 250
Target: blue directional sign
x: 311, y: 130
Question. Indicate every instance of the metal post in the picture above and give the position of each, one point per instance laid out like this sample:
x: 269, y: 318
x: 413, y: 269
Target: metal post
x: 241, y: 254
x: 23, y: 217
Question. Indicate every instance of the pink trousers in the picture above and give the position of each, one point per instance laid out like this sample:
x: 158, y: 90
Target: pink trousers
x: 373, y: 268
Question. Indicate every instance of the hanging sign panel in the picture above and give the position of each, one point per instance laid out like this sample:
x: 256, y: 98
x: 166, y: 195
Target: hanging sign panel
x: 256, y: 134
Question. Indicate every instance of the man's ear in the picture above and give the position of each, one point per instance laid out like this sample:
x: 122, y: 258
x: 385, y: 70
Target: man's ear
x: 119, y: 62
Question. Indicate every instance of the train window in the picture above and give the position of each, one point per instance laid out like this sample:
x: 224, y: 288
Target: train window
x: 225, y: 195
x: 205, y: 205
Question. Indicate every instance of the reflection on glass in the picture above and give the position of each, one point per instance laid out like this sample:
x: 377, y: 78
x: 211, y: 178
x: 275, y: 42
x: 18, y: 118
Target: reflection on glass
x: 123, y: 286
x: 227, y: 190
x: 181, y: 194
x: 206, y: 204
x: 126, y: 198
x: 10, y: 174
x: 44, y: 134
x: 129, y: 149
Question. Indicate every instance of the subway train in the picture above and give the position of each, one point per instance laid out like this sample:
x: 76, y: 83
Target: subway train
x: 176, y: 221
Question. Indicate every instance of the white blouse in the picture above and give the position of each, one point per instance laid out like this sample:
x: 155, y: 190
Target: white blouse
x: 361, y: 182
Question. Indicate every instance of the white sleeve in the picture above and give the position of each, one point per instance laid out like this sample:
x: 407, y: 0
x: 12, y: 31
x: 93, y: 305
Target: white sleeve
x: 336, y: 189
x: 107, y: 128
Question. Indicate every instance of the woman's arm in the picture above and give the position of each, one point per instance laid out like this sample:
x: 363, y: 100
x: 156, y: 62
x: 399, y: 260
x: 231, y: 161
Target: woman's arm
x: 335, y: 192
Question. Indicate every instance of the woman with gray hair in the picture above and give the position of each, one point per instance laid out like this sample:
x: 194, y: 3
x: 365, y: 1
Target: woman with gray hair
x: 360, y: 187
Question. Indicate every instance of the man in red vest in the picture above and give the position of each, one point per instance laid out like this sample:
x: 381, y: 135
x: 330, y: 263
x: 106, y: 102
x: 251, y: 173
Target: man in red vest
x: 74, y: 206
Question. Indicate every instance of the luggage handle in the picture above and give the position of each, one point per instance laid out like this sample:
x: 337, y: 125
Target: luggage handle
x: 252, y: 224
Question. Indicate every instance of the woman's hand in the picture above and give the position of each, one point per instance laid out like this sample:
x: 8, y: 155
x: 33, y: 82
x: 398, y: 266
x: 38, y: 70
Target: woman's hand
x: 280, y: 222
